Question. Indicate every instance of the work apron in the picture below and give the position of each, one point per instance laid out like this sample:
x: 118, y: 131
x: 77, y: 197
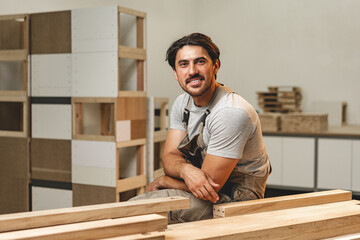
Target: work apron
x: 239, y: 186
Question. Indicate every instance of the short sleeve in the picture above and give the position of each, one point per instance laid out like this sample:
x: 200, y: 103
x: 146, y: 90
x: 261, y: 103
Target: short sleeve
x: 176, y: 114
x: 229, y: 130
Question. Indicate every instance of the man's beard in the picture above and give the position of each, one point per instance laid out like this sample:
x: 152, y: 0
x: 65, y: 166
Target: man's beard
x: 196, y: 95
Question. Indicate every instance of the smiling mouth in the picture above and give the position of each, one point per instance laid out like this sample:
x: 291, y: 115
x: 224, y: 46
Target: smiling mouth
x: 194, y: 79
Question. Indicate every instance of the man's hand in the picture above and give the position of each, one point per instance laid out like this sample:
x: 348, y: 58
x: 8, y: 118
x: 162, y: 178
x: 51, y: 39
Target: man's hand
x: 200, y: 184
x: 154, y: 185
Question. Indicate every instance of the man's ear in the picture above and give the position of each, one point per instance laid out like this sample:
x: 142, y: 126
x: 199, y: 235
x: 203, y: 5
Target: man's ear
x: 216, y: 66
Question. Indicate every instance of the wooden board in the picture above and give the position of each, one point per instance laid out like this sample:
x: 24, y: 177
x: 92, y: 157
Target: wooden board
x: 93, y: 229
x: 11, y: 116
x: 11, y: 34
x: 14, y: 175
x: 278, y: 203
x: 311, y: 222
x: 304, y: 122
x: 91, y: 194
x: 131, y: 108
x: 51, y: 121
x: 51, y: 75
x: 51, y: 32
x: 270, y: 122
x: 51, y: 159
x: 10, y: 222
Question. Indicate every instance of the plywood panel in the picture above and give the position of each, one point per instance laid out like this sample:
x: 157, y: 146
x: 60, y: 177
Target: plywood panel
x: 51, y: 121
x: 14, y: 174
x: 10, y: 34
x: 51, y: 32
x: 98, y: 176
x: 89, y: 194
x: 138, y: 129
x: 131, y: 108
x: 95, y: 29
x: 50, y: 198
x: 95, y: 74
x: 51, y: 159
x: 51, y: 75
x: 94, y: 163
x: 123, y: 130
x: 11, y: 116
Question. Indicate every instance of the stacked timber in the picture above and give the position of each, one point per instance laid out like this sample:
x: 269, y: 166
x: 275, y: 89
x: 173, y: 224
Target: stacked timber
x: 318, y: 215
x: 280, y: 99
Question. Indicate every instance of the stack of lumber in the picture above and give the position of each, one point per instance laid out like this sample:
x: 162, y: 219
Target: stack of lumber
x: 280, y: 99
x: 131, y: 219
x: 318, y: 215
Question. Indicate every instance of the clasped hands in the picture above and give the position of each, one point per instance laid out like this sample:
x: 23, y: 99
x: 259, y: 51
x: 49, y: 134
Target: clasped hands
x: 196, y: 181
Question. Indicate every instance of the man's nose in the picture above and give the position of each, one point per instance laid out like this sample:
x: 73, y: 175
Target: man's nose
x: 192, y: 69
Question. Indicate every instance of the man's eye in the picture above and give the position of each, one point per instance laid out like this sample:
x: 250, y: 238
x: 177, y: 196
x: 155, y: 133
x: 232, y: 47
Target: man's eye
x: 182, y: 64
x: 201, y: 61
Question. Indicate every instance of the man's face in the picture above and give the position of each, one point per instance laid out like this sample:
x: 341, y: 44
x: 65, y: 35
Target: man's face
x: 194, y: 70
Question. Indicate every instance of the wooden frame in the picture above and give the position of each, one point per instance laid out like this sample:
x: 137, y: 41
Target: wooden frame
x: 138, y: 53
x: 156, y: 136
x: 18, y: 54
x: 22, y: 98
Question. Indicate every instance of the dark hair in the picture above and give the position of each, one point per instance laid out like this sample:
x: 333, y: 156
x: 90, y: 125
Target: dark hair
x: 194, y: 39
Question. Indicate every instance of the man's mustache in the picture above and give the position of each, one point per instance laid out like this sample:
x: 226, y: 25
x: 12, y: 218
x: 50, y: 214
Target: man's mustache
x: 194, y: 77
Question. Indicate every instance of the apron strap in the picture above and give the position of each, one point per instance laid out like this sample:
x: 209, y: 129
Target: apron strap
x: 219, y: 93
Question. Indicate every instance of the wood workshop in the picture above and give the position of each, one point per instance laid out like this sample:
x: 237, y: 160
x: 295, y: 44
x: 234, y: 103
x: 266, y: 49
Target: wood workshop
x: 169, y: 119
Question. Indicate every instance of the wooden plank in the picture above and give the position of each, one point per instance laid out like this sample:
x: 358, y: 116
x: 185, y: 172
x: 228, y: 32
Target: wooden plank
x: 132, y: 53
x: 147, y: 236
x: 28, y: 220
x: 93, y: 100
x: 140, y: 44
x: 93, y: 229
x: 131, y: 183
x: 131, y: 12
x: 283, y: 202
x: 131, y: 108
x: 304, y: 122
x: 93, y: 137
x: 14, y: 17
x: 13, y: 95
x: 131, y: 143
x: 13, y: 55
x: 311, y: 222
x: 132, y: 94
x: 138, y: 129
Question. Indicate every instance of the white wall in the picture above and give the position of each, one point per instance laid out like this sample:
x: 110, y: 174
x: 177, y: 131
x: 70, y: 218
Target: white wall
x: 306, y: 43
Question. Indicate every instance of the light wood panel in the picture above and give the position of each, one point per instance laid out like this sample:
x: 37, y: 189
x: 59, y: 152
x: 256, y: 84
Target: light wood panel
x: 312, y: 222
x: 93, y: 229
x: 10, y: 222
x: 283, y: 202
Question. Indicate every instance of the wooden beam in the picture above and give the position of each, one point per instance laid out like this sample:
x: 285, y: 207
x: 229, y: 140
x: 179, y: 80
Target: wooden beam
x: 311, y: 222
x: 132, y: 94
x: 131, y: 143
x: 131, y: 183
x: 147, y: 236
x: 131, y: 12
x: 283, y: 202
x: 133, y: 53
x: 36, y: 219
x: 93, y: 229
x: 14, y: 55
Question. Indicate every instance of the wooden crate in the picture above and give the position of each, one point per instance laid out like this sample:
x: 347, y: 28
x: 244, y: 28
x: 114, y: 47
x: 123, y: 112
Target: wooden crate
x: 270, y: 122
x: 280, y: 99
x: 304, y: 122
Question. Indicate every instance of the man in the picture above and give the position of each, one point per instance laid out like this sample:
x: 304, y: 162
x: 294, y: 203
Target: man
x: 214, y: 151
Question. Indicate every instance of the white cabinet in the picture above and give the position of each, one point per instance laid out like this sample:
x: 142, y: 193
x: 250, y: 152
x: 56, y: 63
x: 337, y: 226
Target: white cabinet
x: 292, y: 160
x: 334, y: 163
x: 355, y: 180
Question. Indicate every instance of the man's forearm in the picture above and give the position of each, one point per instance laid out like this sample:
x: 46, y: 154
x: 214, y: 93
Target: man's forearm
x: 174, y: 165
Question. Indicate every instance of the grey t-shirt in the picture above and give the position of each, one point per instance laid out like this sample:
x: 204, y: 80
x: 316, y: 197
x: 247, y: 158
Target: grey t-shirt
x: 232, y: 130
